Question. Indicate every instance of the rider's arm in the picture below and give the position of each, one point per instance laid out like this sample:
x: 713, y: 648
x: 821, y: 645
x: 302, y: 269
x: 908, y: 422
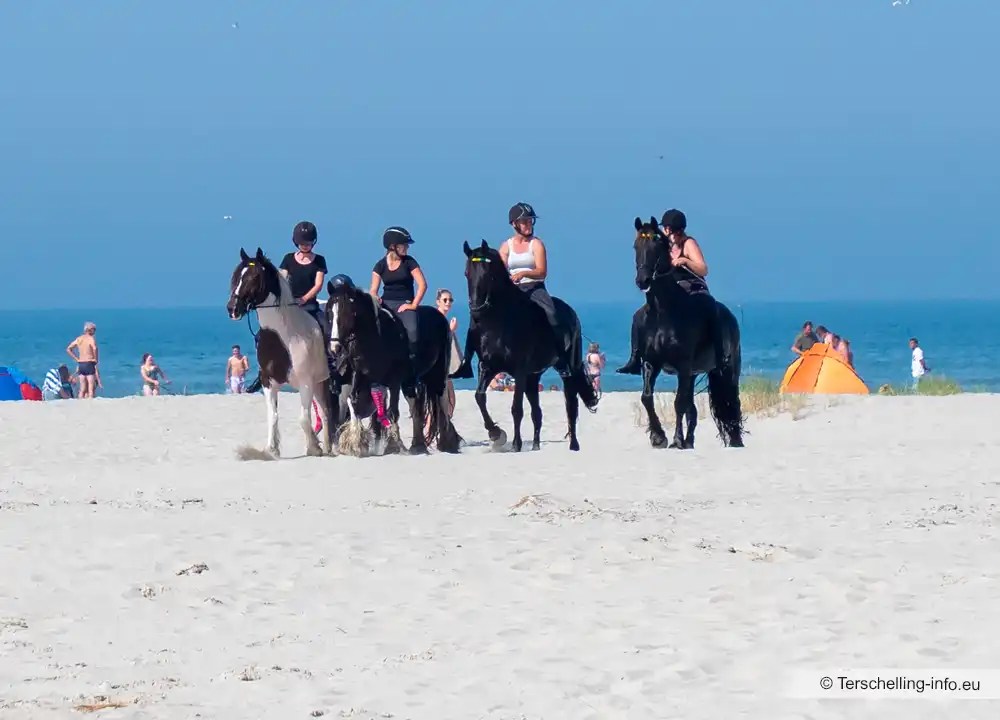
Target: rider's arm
x: 377, y: 277
x: 541, y: 261
x: 317, y: 287
x: 695, y: 260
x: 418, y: 276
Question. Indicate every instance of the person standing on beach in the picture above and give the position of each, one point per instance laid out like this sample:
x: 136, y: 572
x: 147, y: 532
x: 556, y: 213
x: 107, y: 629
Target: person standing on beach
x: 151, y: 373
x: 805, y: 339
x: 86, y: 358
x: 918, y: 366
x: 237, y: 366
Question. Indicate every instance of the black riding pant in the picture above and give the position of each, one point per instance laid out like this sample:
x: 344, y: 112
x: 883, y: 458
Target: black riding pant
x: 408, y: 318
x: 540, y: 295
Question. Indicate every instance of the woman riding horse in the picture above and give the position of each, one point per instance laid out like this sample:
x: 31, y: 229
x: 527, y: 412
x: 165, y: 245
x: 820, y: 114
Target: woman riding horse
x: 526, y: 259
x: 305, y: 270
x: 397, y: 273
x: 684, y: 253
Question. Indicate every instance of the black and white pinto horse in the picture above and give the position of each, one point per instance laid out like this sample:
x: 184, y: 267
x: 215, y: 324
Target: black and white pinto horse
x: 291, y: 348
x: 372, y: 343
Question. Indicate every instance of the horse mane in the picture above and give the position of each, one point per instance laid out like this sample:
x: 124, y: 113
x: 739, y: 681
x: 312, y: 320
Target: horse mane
x: 491, y: 255
x: 284, y: 288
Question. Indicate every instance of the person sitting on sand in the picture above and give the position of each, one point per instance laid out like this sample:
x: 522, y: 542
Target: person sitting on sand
x: 58, y: 384
x: 805, y: 339
x: 151, y: 374
x: 237, y: 367
x: 86, y: 358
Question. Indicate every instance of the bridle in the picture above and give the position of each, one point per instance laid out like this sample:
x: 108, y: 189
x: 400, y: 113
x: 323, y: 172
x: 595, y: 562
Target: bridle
x: 488, y: 302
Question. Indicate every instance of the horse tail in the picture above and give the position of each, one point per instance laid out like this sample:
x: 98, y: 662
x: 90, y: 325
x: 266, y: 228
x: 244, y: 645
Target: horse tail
x: 430, y: 416
x: 724, y: 386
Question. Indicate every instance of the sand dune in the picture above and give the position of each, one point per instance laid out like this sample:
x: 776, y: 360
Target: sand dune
x: 143, y: 565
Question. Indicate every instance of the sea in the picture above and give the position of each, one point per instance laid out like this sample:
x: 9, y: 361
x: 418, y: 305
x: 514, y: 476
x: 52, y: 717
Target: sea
x: 193, y: 344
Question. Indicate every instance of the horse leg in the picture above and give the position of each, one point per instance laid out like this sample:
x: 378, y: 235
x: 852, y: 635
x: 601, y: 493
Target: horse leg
x: 394, y: 443
x: 323, y: 405
x: 684, y: 410
x: 273, y: 436
x: 418, y: 445
x: 498, y: 437
x: 305, y: 420
x: 531, y: 390
x: 572, y: 410
x: 517, y: 412
x: 649, y: 374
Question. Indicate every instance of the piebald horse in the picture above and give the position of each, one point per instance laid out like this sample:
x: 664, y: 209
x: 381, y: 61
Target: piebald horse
x: 291, y: 348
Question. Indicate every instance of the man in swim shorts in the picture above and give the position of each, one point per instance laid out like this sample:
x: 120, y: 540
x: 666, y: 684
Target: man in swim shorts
x: 237, y: 367
x: 86, y: 359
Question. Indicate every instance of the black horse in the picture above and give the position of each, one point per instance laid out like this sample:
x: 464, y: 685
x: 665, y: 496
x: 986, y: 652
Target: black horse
x: 684, y: 334
x: 371, y: 344
x: 515, y: 337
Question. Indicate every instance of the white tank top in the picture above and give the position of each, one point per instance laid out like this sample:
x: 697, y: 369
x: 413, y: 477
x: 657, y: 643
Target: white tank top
x: 518, y: 261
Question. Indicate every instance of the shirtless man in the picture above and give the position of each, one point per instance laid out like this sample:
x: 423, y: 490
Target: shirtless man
x: 86, y: 359
x: 237, y: 367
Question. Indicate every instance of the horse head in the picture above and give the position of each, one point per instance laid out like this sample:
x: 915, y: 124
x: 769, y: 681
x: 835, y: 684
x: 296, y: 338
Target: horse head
x: 652, y: 253
x: 486, y: 273
x: 348, y: 311
x: 253, y: 281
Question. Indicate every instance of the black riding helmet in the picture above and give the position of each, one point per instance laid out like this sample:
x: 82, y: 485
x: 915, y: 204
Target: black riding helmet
x: 340, y: 280
x: 674, y: 220
x: 304, y: 234
x: 521, y: 211
x: 396, y: 236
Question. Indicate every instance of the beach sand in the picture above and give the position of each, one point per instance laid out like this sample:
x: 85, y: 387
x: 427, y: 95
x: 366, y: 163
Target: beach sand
x: 143, y: 564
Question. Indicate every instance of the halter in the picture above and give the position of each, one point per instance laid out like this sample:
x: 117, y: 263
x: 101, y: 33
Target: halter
x: 488, y: 302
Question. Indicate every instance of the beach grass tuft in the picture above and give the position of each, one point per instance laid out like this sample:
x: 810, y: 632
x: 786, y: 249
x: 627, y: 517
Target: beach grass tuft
x: 929, y: 385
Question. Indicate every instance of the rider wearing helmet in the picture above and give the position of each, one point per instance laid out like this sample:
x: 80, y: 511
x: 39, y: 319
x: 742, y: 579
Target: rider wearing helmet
x: 526, y: 260
x: 305, y: 270
x: 685, y: 253
x: 401, y: 279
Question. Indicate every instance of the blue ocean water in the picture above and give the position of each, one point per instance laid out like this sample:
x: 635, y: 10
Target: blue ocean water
x: 192, y: 344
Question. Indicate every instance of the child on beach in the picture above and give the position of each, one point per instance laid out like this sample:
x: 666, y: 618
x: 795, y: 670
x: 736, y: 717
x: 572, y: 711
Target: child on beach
x: 237, y: 367
x: 595, y: 363
x: 58, y: 384
x: 86, y: 359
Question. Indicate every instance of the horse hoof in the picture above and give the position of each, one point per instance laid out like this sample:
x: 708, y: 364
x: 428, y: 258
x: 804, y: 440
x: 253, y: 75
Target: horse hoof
x: 658, y: 441
x: 498, y: 438
x: 736, y: 443
x: 536, y: 445
x: 418, y: 450
x: 516, y: 446
x: 574, y: 445
x: 314, y: 451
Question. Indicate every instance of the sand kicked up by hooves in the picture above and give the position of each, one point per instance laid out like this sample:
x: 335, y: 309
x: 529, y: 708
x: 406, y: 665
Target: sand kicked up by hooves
x: 149, y: 573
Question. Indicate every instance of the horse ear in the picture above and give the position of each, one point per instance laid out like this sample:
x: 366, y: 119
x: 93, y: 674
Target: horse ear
x: 485, y: 245
x: 466, y: 249
x: 243, y: 255
x: 652, y: 221
x: 260, y: 254
x: 638, y: 224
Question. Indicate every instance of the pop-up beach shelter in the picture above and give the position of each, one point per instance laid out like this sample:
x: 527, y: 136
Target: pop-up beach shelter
x: 821, y: 370
x: 15, y: 385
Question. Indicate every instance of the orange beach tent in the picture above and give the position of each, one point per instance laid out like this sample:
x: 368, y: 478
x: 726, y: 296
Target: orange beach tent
x: 821, y: 370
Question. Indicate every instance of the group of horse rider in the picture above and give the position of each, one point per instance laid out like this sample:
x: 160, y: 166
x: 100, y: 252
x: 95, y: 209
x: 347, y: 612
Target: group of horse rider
x: 398, y: 275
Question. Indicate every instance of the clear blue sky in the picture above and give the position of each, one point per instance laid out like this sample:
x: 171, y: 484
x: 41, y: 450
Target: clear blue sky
x: 821, y: 150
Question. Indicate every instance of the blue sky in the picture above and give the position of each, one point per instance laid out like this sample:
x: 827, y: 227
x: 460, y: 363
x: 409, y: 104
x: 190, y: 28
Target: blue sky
x: 821, y: 149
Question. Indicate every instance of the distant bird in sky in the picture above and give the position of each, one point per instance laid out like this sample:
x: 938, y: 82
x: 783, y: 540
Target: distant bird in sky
x: 900, y: 2
x: 661, y: 157
x: 227, y: 217
x: 236, y: 26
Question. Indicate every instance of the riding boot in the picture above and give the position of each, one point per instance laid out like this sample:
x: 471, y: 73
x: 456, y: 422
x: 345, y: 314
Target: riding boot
x: 634, y: 364
x: 464, y: 371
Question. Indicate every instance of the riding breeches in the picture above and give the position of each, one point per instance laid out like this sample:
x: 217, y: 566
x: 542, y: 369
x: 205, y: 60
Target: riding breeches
x: 407, y: 317
x: 538, y: 293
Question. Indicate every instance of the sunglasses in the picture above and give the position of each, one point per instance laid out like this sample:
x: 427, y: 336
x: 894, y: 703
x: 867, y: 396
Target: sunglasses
x: 448, y: 301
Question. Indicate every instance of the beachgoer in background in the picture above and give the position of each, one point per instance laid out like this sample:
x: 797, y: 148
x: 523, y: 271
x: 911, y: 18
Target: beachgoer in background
x: 58, y: 384
x: 501, y: 382
x: 805, y: 339
x: 305, y: 270
x: 87, y: 357
x: 151, y: 374
x: 595, y: 364
x: 848, y: 353
x: 824, y: 335
x: 402, y: 281
x: 918, y: 366
x: 553, y: 388
x: 237, y: 366
x: 445, y: 301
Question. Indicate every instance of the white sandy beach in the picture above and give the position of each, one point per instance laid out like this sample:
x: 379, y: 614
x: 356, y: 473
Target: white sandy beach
x: 633, y: 583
